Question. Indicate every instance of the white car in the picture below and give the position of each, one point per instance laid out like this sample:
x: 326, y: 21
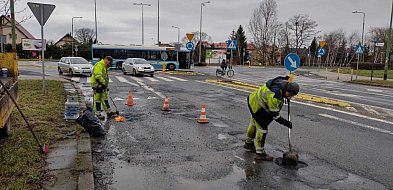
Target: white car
x: 74, y: 66
x: 137, y: 66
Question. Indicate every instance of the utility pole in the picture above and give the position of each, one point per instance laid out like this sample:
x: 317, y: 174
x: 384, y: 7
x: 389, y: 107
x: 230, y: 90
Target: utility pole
x: 95, y: 19
x: 388, y: 48
x: 158, y: 22
x: 13, y: 26
x: 143, y: 32
x: 200, y: 32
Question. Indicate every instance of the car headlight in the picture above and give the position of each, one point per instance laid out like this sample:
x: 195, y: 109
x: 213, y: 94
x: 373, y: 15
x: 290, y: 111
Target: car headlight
x: 140, y: 68
x: 77, y: 68
x: 152, y: 68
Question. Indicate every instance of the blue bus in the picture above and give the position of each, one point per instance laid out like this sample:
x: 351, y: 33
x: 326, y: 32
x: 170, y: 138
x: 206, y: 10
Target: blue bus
x: 157, y: 56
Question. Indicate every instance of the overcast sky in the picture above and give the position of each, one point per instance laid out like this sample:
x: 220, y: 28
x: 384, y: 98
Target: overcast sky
x: 119, y: 21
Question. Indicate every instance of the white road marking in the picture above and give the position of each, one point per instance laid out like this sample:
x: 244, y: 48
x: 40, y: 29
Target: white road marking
x: 176, y: 78
x: 143, y: 85
x: 76, y: 79
x: 358, y: 124
x: 110, y: 80
x: 122, y: 79
x: 240, y: 158
x: 165, y: 79
x: 369, y: 109
x: 88, y: 79
x: 374, y: 90
x: 344, y: 112
x: 317, y: 106
x: 151, y: 79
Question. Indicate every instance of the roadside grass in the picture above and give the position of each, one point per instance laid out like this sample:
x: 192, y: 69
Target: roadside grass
x: 381, y: 83
x: 21, y: 163
x: 367, y: 73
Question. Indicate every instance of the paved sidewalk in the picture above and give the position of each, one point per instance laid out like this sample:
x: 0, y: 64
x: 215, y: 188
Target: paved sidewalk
x: 69, y: 161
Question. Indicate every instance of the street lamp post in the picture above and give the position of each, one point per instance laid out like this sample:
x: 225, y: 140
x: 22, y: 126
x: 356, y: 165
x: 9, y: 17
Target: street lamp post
x: 178, y: 42
x: 72, y: 34
x: 158, y: 22
x: 143, y: 33
x: 388, y: 48
x: 200, y: 32
x: 364, y: 16
x: 95, y: 19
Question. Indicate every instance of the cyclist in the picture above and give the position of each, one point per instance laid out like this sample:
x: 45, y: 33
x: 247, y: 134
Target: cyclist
x: 223, y: 64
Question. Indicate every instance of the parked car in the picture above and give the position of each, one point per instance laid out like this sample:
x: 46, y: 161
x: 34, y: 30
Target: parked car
x: 74, y: 66
x: 137, y: 66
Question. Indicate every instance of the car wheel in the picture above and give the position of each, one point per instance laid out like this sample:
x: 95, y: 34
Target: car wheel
x: 71, y: 73
x: 124, y: 71
x: 134, y: 72
x: 59, y: 70
x: 171, y: 67
x: 151, y: 75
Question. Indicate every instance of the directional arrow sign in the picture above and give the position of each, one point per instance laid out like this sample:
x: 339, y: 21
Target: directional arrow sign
x: 292, y: 62
x: 41, y: 11
x: 321, y: 51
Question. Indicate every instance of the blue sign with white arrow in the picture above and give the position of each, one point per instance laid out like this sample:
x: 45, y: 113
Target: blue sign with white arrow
x: 321, y: 52
x: 292, y: 62
x: 190, y: 46
x: 359, y: 49
x: 231, y: 44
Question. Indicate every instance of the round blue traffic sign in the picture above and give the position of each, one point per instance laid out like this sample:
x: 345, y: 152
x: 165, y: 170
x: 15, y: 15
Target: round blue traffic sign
x: 190, y: 46
x: 292, y: 62
x: 321, y: 52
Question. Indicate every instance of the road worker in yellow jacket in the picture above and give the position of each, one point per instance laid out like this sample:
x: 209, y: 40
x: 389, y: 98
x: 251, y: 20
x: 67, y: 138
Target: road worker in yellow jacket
x: 265, y: 104
x: 99, y: 83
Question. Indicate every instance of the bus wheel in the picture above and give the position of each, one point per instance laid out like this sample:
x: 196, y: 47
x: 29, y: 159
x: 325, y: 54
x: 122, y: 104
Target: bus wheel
x: 171, y: 67
x: 6, y: 130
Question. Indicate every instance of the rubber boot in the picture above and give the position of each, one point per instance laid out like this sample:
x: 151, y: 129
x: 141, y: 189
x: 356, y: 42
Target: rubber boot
x: 263, y: 157
x: 110, y: 114
x: 250, y: 147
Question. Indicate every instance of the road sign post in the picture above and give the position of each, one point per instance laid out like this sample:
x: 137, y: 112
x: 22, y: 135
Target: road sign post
x: 359, y: 50
x: 42, y: 13
x: 231, y: 46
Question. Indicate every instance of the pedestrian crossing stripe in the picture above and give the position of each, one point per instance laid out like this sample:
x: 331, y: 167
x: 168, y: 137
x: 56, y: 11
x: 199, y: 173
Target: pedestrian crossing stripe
x: 164, y: 79
x: 176, y: 78
x: 76, y: 79
x: 152, y: 79
x: 88, y: 80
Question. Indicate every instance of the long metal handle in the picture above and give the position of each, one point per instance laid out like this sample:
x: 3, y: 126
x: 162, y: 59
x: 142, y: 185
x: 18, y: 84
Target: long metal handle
x: 289, y: 130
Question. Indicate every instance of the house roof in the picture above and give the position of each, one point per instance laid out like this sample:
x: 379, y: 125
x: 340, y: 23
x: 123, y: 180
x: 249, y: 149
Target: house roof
x: 18, y: 26
x: 68, y: 35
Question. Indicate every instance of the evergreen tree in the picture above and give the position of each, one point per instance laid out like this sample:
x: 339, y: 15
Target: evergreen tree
x: 313, y: 47
x: 241, y: 43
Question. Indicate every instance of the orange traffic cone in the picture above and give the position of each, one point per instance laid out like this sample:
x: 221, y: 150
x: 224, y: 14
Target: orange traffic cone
x: 202, y: 118
x: 166, y: 104
x: 130, y: 101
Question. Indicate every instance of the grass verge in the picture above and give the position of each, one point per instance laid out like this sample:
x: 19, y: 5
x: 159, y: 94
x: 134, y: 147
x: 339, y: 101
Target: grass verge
x: 367, y: 73
x: 381, y: 83
x: 21, y: 163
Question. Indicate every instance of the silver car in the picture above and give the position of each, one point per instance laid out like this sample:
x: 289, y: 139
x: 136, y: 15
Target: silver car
x: 74, y: 66
x: 137, y: 66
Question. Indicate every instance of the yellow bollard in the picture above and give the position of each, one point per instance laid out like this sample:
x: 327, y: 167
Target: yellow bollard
x: 249, y: 64
x: 326, y: 73
x: 351, y: 74
x: 164, y: 67
x: 338, y: 73
x: 290, y: 77
x: 39, y: 58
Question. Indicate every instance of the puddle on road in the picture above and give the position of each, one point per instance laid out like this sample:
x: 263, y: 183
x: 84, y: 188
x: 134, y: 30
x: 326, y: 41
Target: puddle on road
x: 301, y: 164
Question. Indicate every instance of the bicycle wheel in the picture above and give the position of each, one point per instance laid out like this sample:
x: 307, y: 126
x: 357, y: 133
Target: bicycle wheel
x: 230, y: 73
x: 218, y: 73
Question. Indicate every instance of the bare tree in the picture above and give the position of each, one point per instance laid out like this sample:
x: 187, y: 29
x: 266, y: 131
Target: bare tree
x: 335, y: 41
x: 302, y: 30
x: 85, y: 35
x: 353, y: 39
x: 262, y: 26
x: 378, y: 34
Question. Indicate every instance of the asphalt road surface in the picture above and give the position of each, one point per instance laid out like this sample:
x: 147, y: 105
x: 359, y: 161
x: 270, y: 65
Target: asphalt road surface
x: 340, y: 148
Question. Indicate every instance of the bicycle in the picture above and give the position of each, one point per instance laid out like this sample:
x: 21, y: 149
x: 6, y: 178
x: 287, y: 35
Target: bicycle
x: 230, y: 72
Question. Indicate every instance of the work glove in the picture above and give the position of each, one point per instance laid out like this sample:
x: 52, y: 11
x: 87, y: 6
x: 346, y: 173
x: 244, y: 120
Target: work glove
x: 284, y: 122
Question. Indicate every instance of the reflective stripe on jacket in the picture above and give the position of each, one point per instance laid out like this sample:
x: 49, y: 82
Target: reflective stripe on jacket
x: 100, y: 74
x: 264, y: 98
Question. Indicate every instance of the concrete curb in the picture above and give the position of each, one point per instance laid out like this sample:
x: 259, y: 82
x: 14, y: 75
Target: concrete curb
x: 85, y: 165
